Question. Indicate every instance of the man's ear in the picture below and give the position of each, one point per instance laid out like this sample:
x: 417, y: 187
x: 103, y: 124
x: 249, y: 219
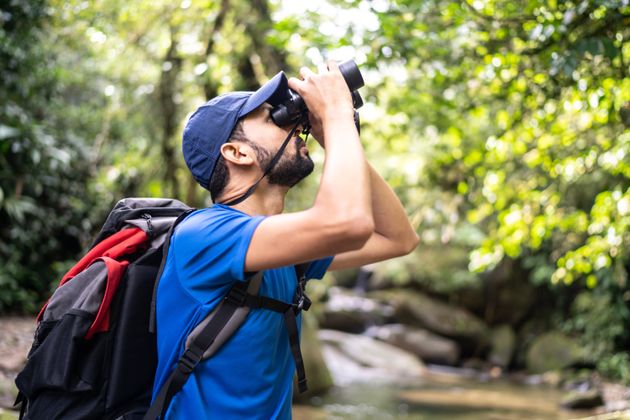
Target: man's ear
x: 240, y: 154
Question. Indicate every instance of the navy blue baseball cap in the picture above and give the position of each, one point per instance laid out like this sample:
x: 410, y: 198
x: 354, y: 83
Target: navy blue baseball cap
x: 212, y: 123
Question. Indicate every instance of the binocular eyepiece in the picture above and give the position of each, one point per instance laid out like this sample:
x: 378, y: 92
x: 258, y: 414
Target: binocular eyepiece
x: 293, y: 109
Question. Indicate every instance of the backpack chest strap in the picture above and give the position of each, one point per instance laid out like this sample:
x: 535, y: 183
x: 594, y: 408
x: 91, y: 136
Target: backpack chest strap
x: 263, y: 302
x: 238, y: 295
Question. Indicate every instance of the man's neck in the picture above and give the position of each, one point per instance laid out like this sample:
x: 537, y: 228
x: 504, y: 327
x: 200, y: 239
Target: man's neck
x: 267, y: 200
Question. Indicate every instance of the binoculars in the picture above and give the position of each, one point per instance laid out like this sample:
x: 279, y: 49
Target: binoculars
x: 293, y: 109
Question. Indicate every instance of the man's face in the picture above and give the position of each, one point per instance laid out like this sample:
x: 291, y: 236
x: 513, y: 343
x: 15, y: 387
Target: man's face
x: 295, y: 163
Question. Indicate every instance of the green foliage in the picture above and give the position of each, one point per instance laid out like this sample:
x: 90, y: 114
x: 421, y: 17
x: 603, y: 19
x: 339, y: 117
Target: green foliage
x: 93, y: 95
x: 511, y: 117
x: 503, y: 127
x: 520, y: 114
x: 44, y: 198
x: 600, y: 319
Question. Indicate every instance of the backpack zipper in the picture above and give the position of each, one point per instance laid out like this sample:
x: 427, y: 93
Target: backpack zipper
x: 147, y: 218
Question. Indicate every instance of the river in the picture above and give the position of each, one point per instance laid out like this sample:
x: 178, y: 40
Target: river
x: 439, y: 396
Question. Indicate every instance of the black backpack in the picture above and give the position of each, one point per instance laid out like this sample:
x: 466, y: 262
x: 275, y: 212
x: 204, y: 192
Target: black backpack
x: 94, y: 353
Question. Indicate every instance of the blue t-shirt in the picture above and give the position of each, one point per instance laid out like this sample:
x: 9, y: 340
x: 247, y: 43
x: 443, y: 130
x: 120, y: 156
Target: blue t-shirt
x: 251, y: 375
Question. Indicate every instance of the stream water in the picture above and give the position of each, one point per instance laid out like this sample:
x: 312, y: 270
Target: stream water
x: 439, y: 396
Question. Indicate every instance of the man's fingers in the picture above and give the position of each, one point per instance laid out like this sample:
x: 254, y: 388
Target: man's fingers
x: 305, y: 72
x: 296, y: 84
x: 322, y: 68
x: 332, y: 65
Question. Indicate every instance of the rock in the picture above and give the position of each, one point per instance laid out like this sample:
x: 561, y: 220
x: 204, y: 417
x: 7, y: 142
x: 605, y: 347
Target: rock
x: 346, y: 311
x: 427, y: 346
x: 616, y: 396
x: 459, y: 402
x: 358, y: 358
x: 525, y: 337
x: 345, y: 278
x: 343, y: 320
x: 504, y: 295
x: 582, y: 399
x: 13, y: 362
x: 418, y: 309
x: 16, y: 337
x: 552, y: 378
x: 317, y: 373
x: 579, y: 379
x: 552, y: 351
x: 8, y: 390
x: 512, y: 301
x: 503, y: 341
x: 470, y: 297
x: 308, y: 412
x: 476, y: 364
x: 509, y: 296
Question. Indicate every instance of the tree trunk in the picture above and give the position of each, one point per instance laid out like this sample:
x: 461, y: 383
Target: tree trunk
x: 169, y: 110
x: 272, y: 58
x: 210, y: 89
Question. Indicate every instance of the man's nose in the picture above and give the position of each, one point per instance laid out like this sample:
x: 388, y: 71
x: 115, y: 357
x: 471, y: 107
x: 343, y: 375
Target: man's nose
x: 298, y: 128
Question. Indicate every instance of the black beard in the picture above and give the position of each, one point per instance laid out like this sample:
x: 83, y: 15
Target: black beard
x: 291, y: 170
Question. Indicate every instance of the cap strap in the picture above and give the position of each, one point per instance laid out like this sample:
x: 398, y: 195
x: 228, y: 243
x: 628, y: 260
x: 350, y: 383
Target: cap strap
x: 268, y: 169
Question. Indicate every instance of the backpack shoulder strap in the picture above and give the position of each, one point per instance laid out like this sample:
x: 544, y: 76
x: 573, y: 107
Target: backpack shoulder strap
x: 301, y: 269
x: 204, y: 340
x: 165, y: 246
x: 220, y: 324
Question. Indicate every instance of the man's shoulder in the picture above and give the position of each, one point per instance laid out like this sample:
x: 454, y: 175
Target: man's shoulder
x: 214, y: 224
x: 214, y: 240
x: 217, y: 210
x: 209, y: 217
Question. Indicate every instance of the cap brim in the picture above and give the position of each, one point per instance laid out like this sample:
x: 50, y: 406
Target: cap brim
x: 272, y: 92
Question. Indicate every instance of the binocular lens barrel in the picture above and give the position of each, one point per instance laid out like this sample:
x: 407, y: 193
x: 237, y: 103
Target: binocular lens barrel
x: 351, y: 73
x: 293, y: 108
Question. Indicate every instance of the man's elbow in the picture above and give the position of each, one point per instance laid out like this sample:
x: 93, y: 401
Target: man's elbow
x: 409, y: 243
x: 352, y: 234
x: 359, y: 231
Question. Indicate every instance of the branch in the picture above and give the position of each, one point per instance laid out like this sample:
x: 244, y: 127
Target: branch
x: 515, y: 19
x: 218, y: 25
x: 210, y: 90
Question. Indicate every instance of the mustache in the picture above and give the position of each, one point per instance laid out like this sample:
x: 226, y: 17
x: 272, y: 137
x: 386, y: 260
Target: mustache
x: 299, y: 142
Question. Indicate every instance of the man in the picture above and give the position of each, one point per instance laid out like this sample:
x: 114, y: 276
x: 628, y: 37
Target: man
x: 229, y: 144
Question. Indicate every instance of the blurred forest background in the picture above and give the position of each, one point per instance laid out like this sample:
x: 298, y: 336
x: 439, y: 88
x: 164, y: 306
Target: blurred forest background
x: 503, y: 126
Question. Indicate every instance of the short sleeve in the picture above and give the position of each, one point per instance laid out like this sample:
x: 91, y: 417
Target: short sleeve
x: 210, y: 247
x: 317, y: 268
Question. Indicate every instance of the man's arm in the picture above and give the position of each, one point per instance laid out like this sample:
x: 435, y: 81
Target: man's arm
x: 340, y: 220
x: 393, y: 234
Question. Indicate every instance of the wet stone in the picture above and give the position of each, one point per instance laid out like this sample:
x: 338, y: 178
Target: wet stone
x: 578, y: 400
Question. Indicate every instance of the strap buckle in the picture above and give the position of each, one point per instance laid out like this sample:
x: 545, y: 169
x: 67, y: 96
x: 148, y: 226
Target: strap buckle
x: 188, y: 361
x: 306, y: 302
x: 302, y: 385
x: 237, y: 295
x: 303, y: 303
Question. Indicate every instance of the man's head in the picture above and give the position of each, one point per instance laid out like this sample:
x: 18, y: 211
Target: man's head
x: 234, y: 131
x: 294, y: 165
